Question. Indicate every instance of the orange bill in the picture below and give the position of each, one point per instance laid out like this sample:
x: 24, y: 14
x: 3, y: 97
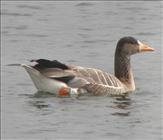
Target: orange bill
x: 143, y: 47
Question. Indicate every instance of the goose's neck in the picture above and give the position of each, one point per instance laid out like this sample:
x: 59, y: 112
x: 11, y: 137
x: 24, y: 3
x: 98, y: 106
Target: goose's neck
x: 123, y: 71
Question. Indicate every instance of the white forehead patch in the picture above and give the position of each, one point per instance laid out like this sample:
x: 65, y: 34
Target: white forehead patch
x: 139, y: 42
x: 34, y: 63
x: 140, y: 45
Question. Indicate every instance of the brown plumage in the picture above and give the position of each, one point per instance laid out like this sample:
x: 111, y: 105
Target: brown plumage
x: 95, y: 81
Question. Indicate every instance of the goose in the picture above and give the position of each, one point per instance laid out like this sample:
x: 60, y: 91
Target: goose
x: 70, y: 80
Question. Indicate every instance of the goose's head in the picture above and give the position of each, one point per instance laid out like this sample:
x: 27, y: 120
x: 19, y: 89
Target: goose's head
x: 129, y: 45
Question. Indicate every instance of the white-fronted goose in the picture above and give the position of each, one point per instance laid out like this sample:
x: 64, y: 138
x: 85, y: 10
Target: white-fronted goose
x: 65, y: 80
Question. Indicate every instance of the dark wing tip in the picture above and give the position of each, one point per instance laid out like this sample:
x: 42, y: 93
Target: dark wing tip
x: 44, y: 63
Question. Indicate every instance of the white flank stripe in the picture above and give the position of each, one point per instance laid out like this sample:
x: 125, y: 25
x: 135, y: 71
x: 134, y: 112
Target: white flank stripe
x: 97, y: 76
x: 114, y: 81
x: 118, y: 83
x: 104, y: 78
x: 111, y: 80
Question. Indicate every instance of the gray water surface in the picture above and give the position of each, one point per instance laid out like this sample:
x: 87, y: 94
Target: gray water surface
x: 80, y: 33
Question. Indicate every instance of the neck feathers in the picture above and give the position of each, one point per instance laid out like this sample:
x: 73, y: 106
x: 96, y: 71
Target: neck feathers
x: 123, y: 70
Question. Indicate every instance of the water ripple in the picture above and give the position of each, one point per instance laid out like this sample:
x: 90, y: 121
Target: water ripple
x: 30, y: 7
x: 86, y: 29
x: 15, y: 14
x: 85, y: 4
x: 21, y: 27
x: 39, y: 104
x: 28, y: 35
x: 83, y: 35
x: 145, y: 34
x: 94, y: 41
x: 123, y: 114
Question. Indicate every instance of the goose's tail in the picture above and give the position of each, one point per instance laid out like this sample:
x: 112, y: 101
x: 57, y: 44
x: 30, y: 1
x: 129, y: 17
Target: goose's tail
x: 46, y: 84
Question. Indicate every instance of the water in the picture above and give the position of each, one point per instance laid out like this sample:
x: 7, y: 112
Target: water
x: 81, y: 33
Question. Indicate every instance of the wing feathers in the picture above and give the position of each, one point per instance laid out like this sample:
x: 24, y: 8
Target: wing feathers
x: 44, y: 63
x: 97, y: 76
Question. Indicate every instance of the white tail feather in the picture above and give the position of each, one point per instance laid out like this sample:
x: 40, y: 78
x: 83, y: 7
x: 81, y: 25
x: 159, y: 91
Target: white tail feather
x: 43, y: 83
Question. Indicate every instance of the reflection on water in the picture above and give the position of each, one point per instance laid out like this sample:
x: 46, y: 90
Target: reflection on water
x: 80, y: 33
x: 40, y: 94
x: 121, y: 114
x: 39, y: 104
x: 122, y: 104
